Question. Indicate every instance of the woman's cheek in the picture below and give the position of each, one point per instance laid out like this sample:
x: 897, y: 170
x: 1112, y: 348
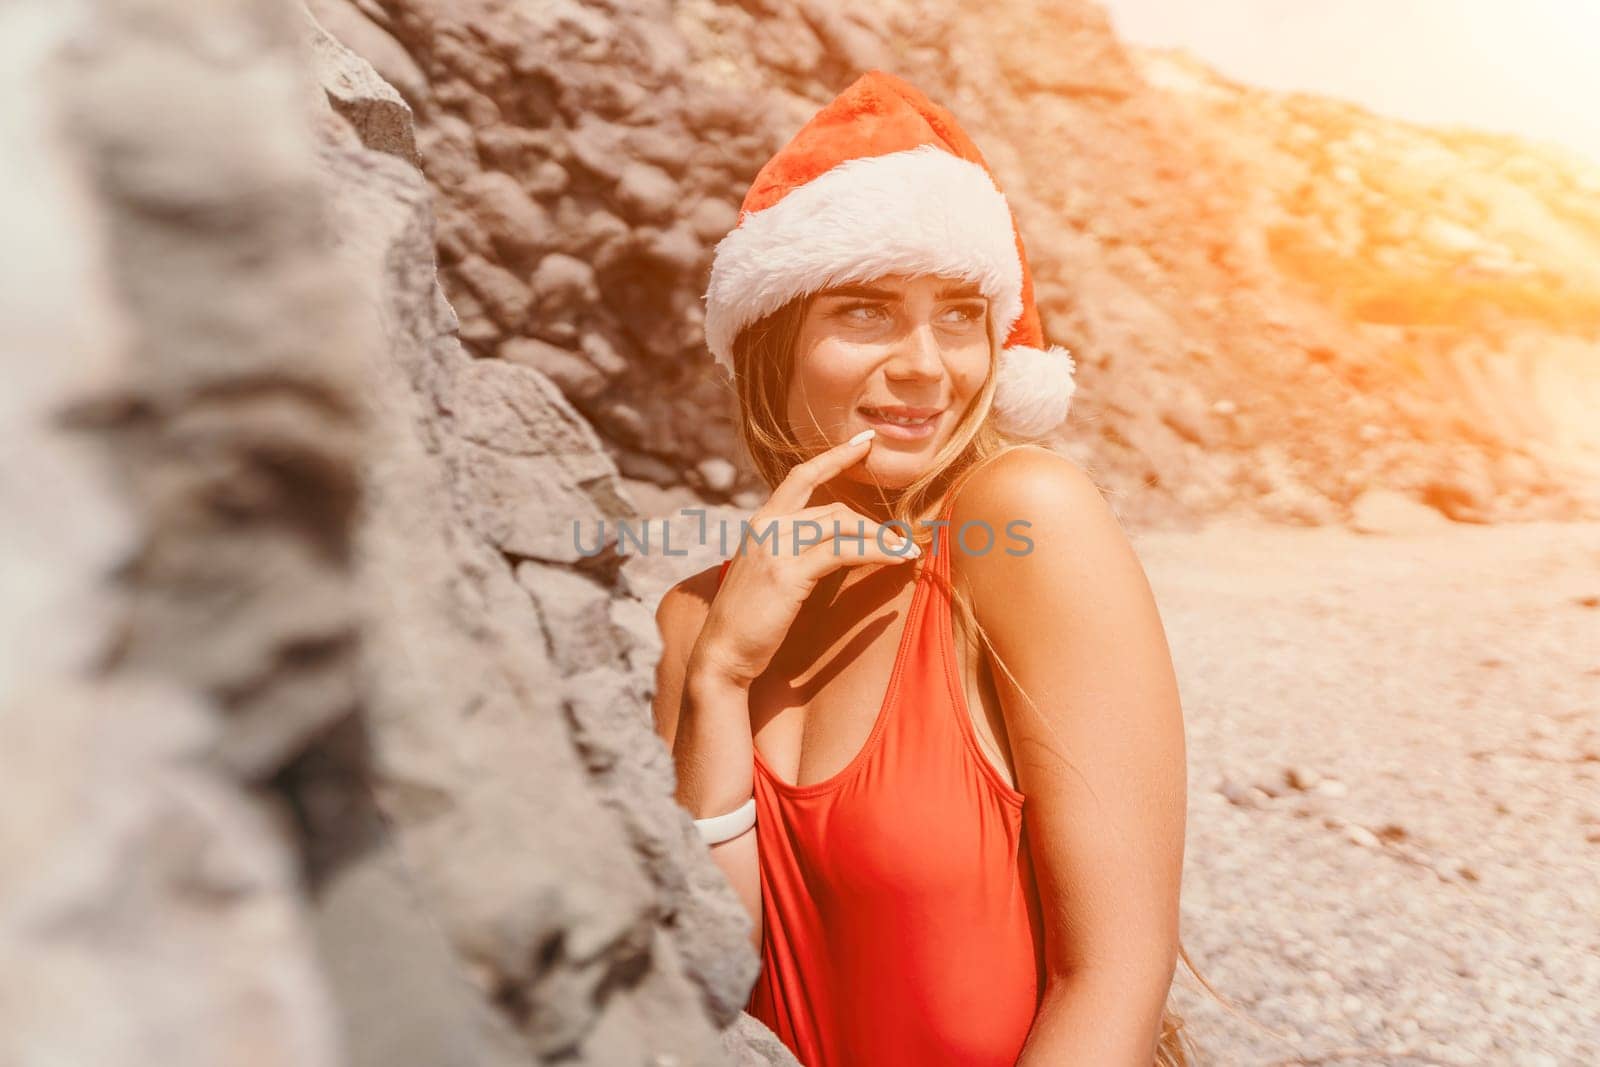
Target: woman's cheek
x: 968, y: 377
x: 827, y: 386
x: 839, y: 372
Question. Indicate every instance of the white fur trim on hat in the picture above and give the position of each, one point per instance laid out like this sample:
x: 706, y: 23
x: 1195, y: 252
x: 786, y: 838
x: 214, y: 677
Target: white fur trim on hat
x: 1034, y: 391
x: 920, y: 211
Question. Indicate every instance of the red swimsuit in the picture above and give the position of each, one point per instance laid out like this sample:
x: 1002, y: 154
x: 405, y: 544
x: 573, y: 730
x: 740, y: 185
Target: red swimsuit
x: 899, y: 921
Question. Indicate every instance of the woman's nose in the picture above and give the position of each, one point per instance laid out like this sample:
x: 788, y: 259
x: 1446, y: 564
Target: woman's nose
x: 917, y: 354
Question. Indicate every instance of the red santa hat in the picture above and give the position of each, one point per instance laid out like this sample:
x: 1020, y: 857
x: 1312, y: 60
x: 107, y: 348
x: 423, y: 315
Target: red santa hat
x: 884, y: 181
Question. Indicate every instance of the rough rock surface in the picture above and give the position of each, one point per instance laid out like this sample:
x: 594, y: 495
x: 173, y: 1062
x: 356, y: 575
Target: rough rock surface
x: 175, y: 589
x: 321, y: 741
x: 508, y: 676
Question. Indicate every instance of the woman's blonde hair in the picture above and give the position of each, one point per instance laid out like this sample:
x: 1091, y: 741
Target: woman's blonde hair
x: 763, y: 361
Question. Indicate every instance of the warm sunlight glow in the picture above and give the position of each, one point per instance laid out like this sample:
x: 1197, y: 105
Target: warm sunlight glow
x: 1526, y: 68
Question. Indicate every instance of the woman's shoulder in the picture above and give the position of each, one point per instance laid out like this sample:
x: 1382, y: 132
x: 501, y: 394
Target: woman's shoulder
x: 1026, y: 482
x: 686, y: 602
x: 1040, y: 510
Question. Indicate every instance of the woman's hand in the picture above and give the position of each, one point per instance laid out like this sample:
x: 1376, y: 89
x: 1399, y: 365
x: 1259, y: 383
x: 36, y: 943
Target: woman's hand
x: 767, y: 584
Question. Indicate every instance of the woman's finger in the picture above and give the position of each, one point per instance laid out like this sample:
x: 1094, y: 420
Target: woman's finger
x: 830, y: 554
x: 796, y: 489
x: 783, y: 533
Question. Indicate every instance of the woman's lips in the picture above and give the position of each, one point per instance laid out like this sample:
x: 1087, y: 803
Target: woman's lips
x: 901, y: 431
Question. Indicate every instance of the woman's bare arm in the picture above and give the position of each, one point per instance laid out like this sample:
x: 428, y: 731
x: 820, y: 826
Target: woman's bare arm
x: 714, y: 652
x: 1101, y: 761
x: 696, y: 699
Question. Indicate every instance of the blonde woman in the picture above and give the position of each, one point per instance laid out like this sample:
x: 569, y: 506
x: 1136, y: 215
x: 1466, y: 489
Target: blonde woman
x: 926, y: 717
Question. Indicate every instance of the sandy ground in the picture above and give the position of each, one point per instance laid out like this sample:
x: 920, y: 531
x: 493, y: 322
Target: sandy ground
x: 1433, y: 896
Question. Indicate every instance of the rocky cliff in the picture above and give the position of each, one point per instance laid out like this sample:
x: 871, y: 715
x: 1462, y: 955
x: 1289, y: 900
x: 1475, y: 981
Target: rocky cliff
x: 1278, y: 304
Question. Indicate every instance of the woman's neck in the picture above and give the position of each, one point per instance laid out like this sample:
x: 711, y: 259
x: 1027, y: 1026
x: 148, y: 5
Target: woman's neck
x: 870, y: 500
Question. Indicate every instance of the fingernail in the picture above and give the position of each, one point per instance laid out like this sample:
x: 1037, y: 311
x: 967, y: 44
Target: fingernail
x: 916, y: 549
x: 862, y: 436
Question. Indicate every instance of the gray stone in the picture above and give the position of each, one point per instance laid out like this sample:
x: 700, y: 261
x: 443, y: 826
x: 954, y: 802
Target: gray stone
x: 379, y: 115
x: 718, y: 474
x: 575, y: 376
x: 503, y: 294
x: 650, y: 193
x: 511, y: 218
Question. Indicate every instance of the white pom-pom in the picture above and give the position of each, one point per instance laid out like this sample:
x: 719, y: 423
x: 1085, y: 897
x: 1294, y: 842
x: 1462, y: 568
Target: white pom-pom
x: 1034, y: 391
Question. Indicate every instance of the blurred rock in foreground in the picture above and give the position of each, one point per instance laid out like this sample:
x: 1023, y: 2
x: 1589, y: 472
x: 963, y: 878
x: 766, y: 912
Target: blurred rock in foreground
x: 320, y: 743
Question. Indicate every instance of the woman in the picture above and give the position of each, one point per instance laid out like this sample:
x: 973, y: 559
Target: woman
x: 960, y: 838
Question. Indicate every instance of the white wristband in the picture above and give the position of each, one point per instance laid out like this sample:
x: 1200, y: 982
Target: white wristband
x: 720, y: 828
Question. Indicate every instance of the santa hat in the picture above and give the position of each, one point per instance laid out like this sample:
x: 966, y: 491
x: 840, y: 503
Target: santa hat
x: 884, y: 181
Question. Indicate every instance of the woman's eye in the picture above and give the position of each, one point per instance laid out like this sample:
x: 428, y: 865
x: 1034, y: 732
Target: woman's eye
x: 963, y: 315
x: 855, y: 311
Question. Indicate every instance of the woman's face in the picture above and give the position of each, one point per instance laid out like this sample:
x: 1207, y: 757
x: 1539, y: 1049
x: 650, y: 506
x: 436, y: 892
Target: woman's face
x: 916, y: 346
